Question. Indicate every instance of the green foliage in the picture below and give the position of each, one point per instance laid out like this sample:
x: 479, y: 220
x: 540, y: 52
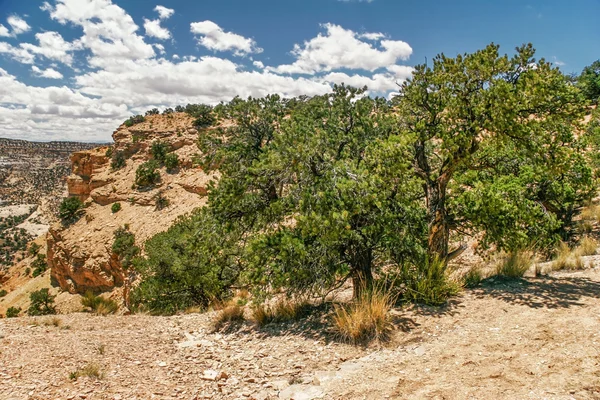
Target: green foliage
x: 179, y: 109
x: 147, y: 174
x: 171, y: 161
x: 34, y: 249
x: 153, y: 111
x: 42, y: 303
x: 98, y: 304
x: 124, y: 246
x: 514, y: 264
x: 40, y: 265
x: 3, y: 292
x: 204, y: 115
x: 116, y: 207
x: 472, y: 278
x: 168, y: 111
x: 70, y: 209
x: 161, y: 201
x: 109, y: 152
x: 159, y: 151
x: 118, y: 160
x: 589, y: 82
x: 136, y: 119
x: 13, y: 312
x: 428, y: 283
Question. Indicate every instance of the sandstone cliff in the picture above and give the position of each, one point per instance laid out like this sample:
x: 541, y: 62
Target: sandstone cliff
x: 80, y: 255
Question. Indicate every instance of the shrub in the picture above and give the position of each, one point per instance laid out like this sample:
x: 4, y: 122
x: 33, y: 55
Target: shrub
x: 116, y: 207
x: 109, y: 152
x: 367, y: 318
x: 159, y: 151
x: 171, y: 161
x: 203, y: 113
x: 118, y: 160
x: 472, y: 278
x: 70, y: 209
x: 428, y: 283
x: 567, y: 259
x: 179, y: 109
x: 39, y: 265
x: 99, y: 305
x: 13, y: 312
x: 91, y: 370
x: 153, y: 111
x: 587, y: 247
x: 42, y: 303
x: 227, y: 317
x: 284, y: 310
x: 168, y: 111
x: 161, y: 201
x: 146, y: 174
x: 3, y: 292
x: 514, y: 264
x: 34, y: 249
x: 136, y: 119
x: 124, y: 246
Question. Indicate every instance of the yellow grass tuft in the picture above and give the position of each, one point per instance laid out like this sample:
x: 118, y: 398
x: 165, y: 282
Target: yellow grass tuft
x: 228, y: 316
x: 515, y: 264
x: 284, y: 310
x: 91, y: 370
x: 568, y: 259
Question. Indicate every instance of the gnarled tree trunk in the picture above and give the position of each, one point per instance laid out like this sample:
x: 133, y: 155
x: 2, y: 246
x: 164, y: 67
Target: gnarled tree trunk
x: 362, y: 275
x: 438, y: 229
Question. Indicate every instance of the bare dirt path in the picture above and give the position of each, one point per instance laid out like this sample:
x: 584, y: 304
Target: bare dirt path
x: 532, y: 339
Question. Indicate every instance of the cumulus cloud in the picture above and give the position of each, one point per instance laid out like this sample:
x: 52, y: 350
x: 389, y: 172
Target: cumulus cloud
x: 153, y: 29
x: 46, y: 73
x: 17, y: 53
x: 4, y: 31
x: 342, y: 48
x: 52, y: 46
x: 164, y: 12
x: 18, y: 24
x: 213, y: 37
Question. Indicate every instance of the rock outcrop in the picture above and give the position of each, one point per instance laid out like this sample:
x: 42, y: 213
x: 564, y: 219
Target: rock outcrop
x: 80, y: 255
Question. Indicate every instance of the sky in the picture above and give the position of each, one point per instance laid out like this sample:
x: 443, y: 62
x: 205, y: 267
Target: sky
x: 76, y: 69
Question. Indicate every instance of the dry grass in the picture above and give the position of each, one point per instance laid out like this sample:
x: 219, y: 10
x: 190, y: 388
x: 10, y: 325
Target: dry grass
x: 514, y: 264
x: 99, y: 305
x: 365, y: 319
x: 587, y: 247
x: 54, y: 321
x: 473, y: 277
x: 227, y: 317
x: 568, y: 259
x: 591, y: 213
x: 284, y: 310
x: 91, y: 370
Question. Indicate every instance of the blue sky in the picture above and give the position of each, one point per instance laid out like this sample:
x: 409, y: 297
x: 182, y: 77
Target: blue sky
x: 74, y: 69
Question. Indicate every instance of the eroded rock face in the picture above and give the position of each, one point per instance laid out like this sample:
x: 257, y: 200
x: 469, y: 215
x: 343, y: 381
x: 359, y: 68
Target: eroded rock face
x: 80, y: 255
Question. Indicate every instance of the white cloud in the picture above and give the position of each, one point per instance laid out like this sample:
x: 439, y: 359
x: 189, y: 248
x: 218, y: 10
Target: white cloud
x: 52, y: 46
x: 4, y: 31
x: 153, y: 29
x: 46, y: 73
x: 18, y: 24
x: 342, y: 48
x: 374, y: 36
x: 18, y: 54
x: 258, y: 64
x: 164, y: 12
x: 214, y: 38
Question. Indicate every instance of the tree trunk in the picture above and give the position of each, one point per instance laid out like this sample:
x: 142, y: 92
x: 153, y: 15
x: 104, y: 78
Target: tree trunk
x: 438, y: 230
x: 362, y: 277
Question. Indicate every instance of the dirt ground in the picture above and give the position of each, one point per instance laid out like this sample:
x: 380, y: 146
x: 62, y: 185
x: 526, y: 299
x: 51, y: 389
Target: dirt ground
x: 530, y: 339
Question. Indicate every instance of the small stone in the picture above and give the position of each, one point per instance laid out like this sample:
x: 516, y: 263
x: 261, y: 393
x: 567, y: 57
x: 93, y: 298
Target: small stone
x: 162, y: 364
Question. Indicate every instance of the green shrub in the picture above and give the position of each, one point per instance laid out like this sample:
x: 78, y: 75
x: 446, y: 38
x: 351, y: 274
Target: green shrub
x: 153, y: 111
x: 159, y: 151
x: 34, y: 249
x: 203, y: 113
x: 118, y: 160
x: 39, y: 265
x: 3, y: 292
x: 109, y: 152
x: 161, y: 202
x: 147, y: 174
x: 124, y: 246
x: 171, y: 161
x: 116, y: 207
x: 99, y: 305
x: 13, y: 312
x: 429, y: 283
x: 179, y: 109
x: 136, y: 119
x: 167, y: 111
x: 42, y: 303
x: 70, y: 209
x: 472, y: 278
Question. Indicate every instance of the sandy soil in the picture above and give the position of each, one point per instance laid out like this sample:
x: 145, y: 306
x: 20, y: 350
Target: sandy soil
x: 530, y: 339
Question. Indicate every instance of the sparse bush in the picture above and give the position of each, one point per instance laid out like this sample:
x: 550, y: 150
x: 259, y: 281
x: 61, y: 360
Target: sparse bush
x: 167, y: 111
x: 153, y: 111
x: 514, y: 264
x: 171, y: 162
x: 136, y: 119
x: 124, y: 246
x: 109, y: 152
x: 40, y: 265
x: 227, y: 317
x: 159, y: 151
x: 118, y: 160
x: 147, y: 174
x: 13, y: 312
x: 115, y: 208
x: 91, y: 370
x: 203, y: 113
x: 34, y: 249
x: 367, y: 318
x: 428, y: 283
x: 283, y: 310
x: 70, y: 209
x: 473, y: 277
x: 161, y: 201
x: 42, y: 303
x: 3, y: 292
x: 98, y: 304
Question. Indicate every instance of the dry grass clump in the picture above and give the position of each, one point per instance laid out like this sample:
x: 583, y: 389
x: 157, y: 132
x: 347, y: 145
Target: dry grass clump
x: 54, y: 321
x: 567, y: 258
x: 91, y: 370
x: 514, y: 264
x: 284, y: 310
x: 99, y: 305
x: 228, y: 316
x: 473, y: 277
x: 366, y: 319
x: 591, y: 213
x: 587, y: 247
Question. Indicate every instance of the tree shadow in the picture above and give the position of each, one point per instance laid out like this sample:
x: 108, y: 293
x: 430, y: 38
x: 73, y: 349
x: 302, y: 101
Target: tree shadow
x: 544, y: 292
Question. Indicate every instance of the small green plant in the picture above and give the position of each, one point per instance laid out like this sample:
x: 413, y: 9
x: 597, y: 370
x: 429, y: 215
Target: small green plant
x: 203, y: 113
x: 161, y: 201
x: 3, y: 292
x: 136, y: 119
x: 147, y: 174
x: 118, y: 160
x: 109, y: 152
x: 91, y: 370
x: 98, y: 304
x: 429, y: 284
x: 13, y: 312
x: 42, y: 303
x: 473, y: 277
x: 40, y: 265
x: 34, y: 249
x: 153, y: 111
x: 167, y: 111
x: 159, y: 151
x: 70, y: 209
x: 115, y: 208
x: 27, y: 271
x: 171, y: 162
x: 514, y: 264
x: 124, y: 246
